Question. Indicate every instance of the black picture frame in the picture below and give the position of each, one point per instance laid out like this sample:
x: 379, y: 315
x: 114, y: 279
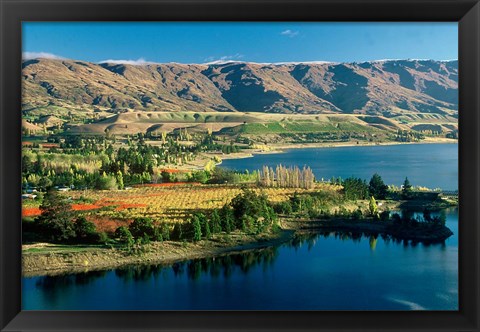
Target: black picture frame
x: 13, y: 12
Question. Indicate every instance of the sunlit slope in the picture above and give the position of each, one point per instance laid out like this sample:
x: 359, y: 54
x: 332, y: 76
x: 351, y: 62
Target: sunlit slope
x: 249, y: 123
x: 76, y: 89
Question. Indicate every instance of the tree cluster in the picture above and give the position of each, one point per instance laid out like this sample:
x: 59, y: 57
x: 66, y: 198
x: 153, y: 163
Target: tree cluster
x: 355, y: 188
x: 408, y: 136
x: 283, y: 177
x: 249, y: 212
x: 58, y: 224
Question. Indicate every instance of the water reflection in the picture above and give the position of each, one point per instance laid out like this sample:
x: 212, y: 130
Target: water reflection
x: 214, y: 267
x: 310, y: 239
x: 53, y: 287
x: 327, y: 257
x: 139, y: 272
x: 194, y: 269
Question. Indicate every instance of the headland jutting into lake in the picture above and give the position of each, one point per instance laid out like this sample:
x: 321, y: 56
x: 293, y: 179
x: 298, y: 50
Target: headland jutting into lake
x: 255, y: 230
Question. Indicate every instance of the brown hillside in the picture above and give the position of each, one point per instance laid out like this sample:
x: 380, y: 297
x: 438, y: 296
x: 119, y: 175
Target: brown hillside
x: 388, y: 88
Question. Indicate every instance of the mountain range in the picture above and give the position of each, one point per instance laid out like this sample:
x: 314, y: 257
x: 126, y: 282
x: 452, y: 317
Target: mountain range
x: 387, y: 88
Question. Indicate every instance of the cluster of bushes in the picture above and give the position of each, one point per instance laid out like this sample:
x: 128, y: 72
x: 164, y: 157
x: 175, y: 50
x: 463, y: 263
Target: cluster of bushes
x: 408, y: 136
x: 77, y: 231
x: 309, y: 205
x: 358, y: 189
x: 249, y: 212
x: 142, y: 231
x: 320, y: 205
x: 58, y: 224
x: 313, y: 206
x: 355, y: 188
x: 208, y: 144
x: 221, y: 175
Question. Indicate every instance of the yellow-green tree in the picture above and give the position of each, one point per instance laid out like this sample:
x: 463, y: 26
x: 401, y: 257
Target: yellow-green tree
x: 372, y: 207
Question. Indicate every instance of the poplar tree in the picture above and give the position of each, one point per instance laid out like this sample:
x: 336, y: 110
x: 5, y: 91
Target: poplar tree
x: 372, y: 207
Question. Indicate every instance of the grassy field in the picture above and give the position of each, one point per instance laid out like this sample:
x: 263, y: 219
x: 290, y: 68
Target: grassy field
x: 235, y: 123
x: 300, y: 127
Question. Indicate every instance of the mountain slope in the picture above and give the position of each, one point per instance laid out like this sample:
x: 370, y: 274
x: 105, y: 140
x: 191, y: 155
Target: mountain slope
x: 68, y: 88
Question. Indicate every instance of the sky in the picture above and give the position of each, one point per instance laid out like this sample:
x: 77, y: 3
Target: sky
x: 202, y: 42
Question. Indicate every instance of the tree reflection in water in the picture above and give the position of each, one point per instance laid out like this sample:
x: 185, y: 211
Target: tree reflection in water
x: 212, y: 266
x: 226, y: 266
x: 53, y: 287
x: 310, y: 239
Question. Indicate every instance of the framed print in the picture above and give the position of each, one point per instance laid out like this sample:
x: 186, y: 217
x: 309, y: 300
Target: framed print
x: 200, y: 165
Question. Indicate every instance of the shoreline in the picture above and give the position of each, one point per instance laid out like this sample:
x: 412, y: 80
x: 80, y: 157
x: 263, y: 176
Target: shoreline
x: 281, y: 148
x: 433, y: 234
x: 50, y: 263
x: 206, y: 157
x: 167, y: 252
x: 353, y: 144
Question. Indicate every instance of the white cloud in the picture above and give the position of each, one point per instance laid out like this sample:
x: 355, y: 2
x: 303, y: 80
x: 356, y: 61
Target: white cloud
x: 138, y: 62
x: 40, y: 55
x: 289, y: 33
x: 224, y: 58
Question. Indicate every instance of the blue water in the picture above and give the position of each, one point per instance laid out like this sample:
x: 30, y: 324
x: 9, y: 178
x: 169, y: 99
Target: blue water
x: 316, y: 272
x: 428, y: 165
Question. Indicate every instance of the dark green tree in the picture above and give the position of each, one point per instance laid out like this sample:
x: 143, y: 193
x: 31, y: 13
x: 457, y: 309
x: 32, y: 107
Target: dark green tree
x: 141, y: 227
x: 250, y: 204
x: 165, y: 232
x: 377, y: 187
x: 355, y: 188
x: 197, y: 228
x: 124, y: 236
x: 178, y: 232
x: 56, y: 218
x: 216, y: 222
x: 205, y: 224
x: 85, y: 230
x: 406, y: 189
x: 157, y: 234
x: 27, y: 166
x: 44, y: 183
x: 221, y: 176
x: 167, y: 177
x: 227, y: 219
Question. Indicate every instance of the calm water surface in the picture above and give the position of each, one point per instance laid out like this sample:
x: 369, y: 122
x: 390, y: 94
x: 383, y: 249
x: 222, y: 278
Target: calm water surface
x: 429, y: 165
x: 315, y: 272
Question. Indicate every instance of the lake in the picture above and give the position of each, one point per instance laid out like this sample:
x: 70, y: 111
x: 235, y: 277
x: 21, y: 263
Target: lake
x: 313, y: 272
x: 428, y: 165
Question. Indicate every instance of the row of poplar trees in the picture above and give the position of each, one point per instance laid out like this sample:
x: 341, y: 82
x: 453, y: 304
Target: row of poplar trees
x: 283, y: 177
